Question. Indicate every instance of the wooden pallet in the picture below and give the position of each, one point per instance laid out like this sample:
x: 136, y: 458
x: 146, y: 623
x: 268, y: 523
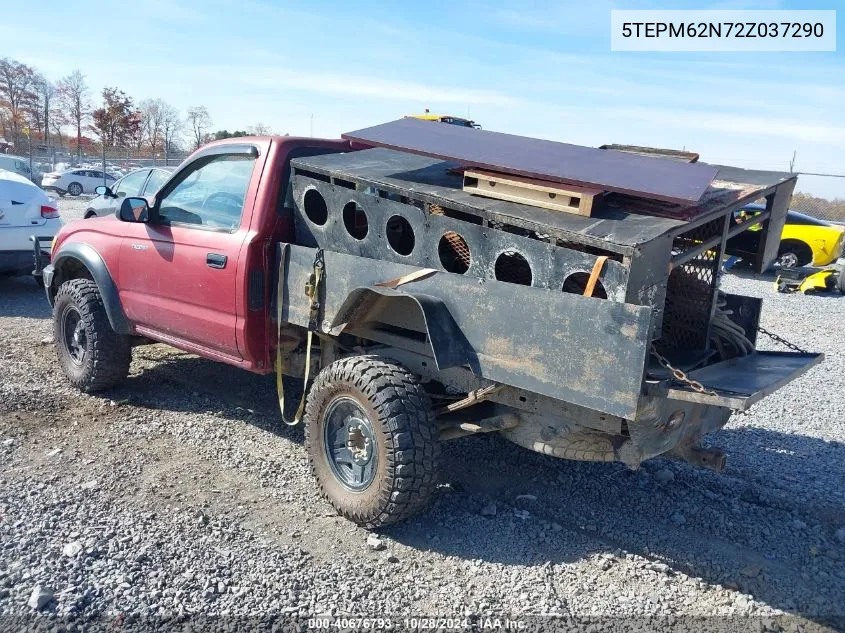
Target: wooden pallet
x: 536, y: 193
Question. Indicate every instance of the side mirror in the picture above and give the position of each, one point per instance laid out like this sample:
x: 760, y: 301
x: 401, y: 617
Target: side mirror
x: 134, y: 210
x: 102, y: 190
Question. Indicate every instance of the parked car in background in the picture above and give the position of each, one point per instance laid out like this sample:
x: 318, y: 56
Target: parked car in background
x: 804, y: 239
x: 24, y: 210
x: 143, y: 182
x: 16, y: 164
x: 76, y: 181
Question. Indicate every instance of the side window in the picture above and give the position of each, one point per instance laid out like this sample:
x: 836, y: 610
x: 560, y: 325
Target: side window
x: 131, y: 185
x: 211, y: 193
x: 80, y: 172
x: 157, y: 179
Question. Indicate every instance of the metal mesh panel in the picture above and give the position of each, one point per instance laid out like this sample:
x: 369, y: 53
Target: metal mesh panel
x: 690, y: 290
x: 454, y: 252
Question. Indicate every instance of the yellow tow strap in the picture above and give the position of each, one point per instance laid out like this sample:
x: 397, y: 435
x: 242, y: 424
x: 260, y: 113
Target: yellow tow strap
x: 312, y: 289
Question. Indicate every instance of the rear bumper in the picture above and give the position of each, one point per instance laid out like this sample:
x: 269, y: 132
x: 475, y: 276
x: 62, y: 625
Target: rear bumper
x: 15, y: 262
x: 41, y: 268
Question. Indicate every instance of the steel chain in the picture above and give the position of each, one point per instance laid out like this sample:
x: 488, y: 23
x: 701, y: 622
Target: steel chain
x: 781, y: 340
x: 680, y: 376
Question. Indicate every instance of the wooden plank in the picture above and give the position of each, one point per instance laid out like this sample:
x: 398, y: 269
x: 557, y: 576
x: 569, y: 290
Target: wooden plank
x: 654, y: 178
x: 530, y: 191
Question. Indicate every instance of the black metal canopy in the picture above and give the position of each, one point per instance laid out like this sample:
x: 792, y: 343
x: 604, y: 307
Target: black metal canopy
x: 620, y: 224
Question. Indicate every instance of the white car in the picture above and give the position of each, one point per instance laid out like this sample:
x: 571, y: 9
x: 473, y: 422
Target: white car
x: 16, y: 164
x: 76, y: 181
x: 24, y: 210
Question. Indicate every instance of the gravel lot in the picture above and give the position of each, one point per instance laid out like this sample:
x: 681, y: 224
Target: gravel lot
x: 180, y: 493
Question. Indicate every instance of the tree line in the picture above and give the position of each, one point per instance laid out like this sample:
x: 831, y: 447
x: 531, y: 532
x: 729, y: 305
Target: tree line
x: 831, y: 210
x: 62, y: 114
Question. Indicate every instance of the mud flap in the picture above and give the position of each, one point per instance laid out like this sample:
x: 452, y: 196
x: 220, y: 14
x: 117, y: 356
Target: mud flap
x: 740, y: 382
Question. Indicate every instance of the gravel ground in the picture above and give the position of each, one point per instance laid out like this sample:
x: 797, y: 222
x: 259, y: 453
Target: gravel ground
x: 174, y: 495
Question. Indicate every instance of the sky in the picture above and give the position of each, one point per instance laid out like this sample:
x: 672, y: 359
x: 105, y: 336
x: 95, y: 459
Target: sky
x: 541, y: 69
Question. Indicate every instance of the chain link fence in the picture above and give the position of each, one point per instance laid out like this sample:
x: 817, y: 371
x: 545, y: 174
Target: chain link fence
x: 825, y: 202
x: 119, y: 161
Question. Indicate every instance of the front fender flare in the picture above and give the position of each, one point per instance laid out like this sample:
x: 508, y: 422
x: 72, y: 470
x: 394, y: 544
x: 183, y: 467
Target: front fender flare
x: 91, y: 259
x: 449, y: 346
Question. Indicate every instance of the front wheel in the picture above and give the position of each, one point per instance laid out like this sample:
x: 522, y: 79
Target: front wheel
x: 74, y: 189
x: 372, y: 440
x: 93, y: 356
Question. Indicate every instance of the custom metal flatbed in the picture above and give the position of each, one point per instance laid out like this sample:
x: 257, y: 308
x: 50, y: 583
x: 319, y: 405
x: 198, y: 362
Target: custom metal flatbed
x: 620, y: 224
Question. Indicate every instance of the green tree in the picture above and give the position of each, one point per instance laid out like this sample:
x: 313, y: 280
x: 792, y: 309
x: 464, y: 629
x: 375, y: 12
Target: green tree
x: 117, y: 123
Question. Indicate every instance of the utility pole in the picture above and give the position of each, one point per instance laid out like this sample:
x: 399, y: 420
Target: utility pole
x: 104, y: 162
x: 792, y: 162
x: 28, y: 133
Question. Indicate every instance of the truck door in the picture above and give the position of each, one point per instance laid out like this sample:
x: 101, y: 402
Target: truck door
x: 179, y: 273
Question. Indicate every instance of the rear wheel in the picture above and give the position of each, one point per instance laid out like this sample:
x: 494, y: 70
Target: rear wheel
x: 93, y: 356
x: 371, y: 440
x: 792, y: 254
x: 74, y: 189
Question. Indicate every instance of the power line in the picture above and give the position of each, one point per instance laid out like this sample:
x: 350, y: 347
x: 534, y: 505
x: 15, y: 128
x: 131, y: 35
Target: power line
x: 811, y: 173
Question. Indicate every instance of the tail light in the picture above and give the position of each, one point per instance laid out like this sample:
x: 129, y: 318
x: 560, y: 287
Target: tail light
x: 49, y: 213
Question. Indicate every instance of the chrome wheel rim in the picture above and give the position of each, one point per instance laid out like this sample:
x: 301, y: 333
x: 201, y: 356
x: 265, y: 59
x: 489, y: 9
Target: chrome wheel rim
x: 788, y: 260
x: 74, y: 336
x: 350, y: 443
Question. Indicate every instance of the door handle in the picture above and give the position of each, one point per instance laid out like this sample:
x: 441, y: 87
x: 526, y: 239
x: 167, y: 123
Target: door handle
x: 215, y: 260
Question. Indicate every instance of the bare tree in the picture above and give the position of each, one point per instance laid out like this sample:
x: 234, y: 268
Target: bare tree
x: 152, y: 122
x: 199, y: 121
x: 171, y: 128
x: 44, y: 107
x: 260, y: 129
x: 73, y: 96
x: 17, y: 94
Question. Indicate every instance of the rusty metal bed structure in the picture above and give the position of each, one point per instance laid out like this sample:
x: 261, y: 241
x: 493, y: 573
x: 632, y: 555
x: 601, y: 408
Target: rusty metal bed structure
x: 502, y: 303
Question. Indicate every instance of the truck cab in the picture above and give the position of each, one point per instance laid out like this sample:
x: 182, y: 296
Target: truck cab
x: 191, y: 270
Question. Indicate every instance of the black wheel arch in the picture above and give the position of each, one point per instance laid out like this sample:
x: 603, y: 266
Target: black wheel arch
x: 389, y: 306
x: 799, y: 247
x: 79, y: 260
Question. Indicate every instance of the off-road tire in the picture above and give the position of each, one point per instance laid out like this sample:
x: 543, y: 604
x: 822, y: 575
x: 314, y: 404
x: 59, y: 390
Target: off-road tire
x: 75, y: 189
x: 401, y: 415
x: 107, y: 353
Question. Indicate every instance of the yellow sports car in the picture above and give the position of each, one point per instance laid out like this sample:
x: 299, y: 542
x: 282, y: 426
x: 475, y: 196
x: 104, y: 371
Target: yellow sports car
x: 804, y: 240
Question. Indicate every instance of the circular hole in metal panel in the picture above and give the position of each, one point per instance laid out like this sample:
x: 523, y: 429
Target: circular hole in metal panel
x: 400, y: 235
x: 513, y: 268
x: 577, y: 282
x: 454, y: 253
x: 315, y: 208
x: 355, y: 220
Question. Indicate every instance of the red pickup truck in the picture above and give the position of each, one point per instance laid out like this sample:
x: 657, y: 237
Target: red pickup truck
x: 429, y: 312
